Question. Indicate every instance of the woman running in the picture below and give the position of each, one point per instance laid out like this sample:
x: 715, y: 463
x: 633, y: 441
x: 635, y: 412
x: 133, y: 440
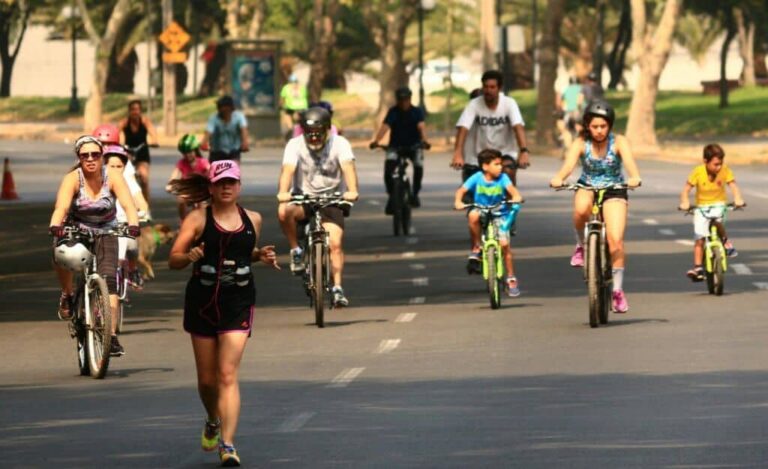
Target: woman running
x: 221, y: 242
x: 602, y: 154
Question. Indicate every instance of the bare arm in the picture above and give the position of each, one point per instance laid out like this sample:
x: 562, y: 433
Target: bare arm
x: 383, y: 129
x: 206, y: 138
x: 191, y: 228
x: 458, y: 149
x: 119, y: 187
x: 738, y: 200
x: 522, y: 144
x: 244, y: 139
x: 685, y: 202
x: 350, y: 178
x: 457, y: 199
x: 121, y: 126
x: 628, y: 159
x: 67, y: 190
x: 571, y: 158
x: 422, y: 128
x: 140, y: 202
x: 284, y: 183
x: 514, y: 193
x: 152, y: 140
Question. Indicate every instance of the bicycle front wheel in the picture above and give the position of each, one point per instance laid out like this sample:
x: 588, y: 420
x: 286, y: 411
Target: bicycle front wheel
x: 78, y: 330
x: 718, y: 272
x: 494, y: 287
x: 606, y: 285
x: 593, y: 278
x: 397, y: 206
x: 99, y: 320
x: 318, y: 283
x: 405, y: 204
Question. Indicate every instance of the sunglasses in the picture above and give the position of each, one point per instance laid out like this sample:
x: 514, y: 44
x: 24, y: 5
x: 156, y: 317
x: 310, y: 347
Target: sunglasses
x: 94, y: 155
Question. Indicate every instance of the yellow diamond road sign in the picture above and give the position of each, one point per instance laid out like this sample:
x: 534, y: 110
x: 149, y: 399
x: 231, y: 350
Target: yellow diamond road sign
x: 174, y: 38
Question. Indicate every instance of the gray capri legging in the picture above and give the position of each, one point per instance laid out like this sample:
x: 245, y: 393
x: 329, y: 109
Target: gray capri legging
x: 106, y: 251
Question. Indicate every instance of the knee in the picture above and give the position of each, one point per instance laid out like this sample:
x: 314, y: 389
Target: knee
x: 227, y: 377
x: 334, y: 245
x: 206, y: 382
x: 616, y: 244
x: 283, y: 214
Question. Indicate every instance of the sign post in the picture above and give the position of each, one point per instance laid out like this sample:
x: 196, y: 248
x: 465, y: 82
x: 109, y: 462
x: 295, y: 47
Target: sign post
x: 174, y: 38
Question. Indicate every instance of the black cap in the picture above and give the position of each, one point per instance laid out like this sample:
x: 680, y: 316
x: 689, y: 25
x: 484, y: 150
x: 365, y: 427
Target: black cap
x: 402, y: 93
x: 225, y: 101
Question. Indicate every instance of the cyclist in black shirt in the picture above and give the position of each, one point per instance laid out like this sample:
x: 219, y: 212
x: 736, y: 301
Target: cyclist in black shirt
x: 405, y: 122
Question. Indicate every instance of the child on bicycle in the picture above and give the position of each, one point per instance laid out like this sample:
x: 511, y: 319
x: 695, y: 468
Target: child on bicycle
x: 490, y: 187
x: 191, y: 162
x: 709, y: 179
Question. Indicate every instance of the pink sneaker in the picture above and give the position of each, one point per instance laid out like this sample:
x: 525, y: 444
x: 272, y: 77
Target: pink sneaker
x: 577, y: 259
x: 620, y: 304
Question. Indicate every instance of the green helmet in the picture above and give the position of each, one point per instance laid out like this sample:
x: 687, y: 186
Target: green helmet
x: 189, y: 143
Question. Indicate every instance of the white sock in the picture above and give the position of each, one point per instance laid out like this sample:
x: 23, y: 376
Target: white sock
x: 297, y: 250
x: 618, y: 278
x: 579, y: 237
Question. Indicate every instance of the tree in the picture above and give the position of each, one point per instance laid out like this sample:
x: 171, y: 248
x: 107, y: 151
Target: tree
x: 617, y: 58
x: 14, y: 16
x: 730, y: 28
x: 324, y: 13
x: 651, y: 44
x: 548, y: 58
x: 104, y: 44
x: 745, y: 27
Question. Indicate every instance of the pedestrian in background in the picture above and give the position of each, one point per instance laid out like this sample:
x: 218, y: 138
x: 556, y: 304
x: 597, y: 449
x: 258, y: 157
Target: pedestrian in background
x: 226, y: 135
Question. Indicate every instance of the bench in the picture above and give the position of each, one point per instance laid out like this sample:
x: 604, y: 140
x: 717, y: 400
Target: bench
x: 713, y: 86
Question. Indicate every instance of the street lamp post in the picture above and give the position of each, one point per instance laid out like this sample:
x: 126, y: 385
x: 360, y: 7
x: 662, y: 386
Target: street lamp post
x: 74, y: 104
x: 424, y: 5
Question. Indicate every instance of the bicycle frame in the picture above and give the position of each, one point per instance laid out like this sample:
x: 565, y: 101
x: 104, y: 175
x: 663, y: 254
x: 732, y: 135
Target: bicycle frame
x: 712, y: 243
x: 490, y: 239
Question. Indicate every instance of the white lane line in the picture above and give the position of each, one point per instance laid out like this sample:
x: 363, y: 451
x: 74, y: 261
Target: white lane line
x: 408, y: 317
x: 667, y: 232
x: 420, y: 281
x: 413, y: 230
x: 741, y: 269
x: 345, y: 377
x: 685, y: 242
x: 417, y: 300
x: 650, y: 221
x: 295, y: 422
x: 409, y: 254
x: 759, y: 195
x: 374, y: 202
x: 387, y: 345
x: 411, y: 240
x: 761, y: 285
x: 418, y: 266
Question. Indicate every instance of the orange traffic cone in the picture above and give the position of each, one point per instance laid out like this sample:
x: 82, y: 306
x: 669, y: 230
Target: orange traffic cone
x: 9, y: 188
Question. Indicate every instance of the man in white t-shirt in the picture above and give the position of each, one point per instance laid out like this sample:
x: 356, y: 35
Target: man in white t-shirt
x: 496, y: 123
x: 315, y: 163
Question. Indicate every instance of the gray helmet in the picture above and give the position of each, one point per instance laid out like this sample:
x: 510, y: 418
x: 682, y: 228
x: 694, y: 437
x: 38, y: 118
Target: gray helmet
x: 315, y: 122
x: 599, y: 109
x: 72, y: 255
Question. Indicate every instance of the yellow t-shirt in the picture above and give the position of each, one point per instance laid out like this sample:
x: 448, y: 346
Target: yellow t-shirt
x: 710, y: 192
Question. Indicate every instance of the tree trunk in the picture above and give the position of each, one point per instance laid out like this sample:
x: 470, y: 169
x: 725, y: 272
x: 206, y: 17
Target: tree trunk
x: 730, y: 34
x: 651, y: 46
x: 233, y: 19
x: 746, y: 31
x: 617, y: 57
x: 21, y: 11
x: 550, y: 44
x: 323, y: 39
x: 257, y: 20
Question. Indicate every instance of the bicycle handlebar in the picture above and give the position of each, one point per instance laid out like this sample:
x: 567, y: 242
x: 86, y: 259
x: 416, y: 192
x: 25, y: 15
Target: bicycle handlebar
x: 577, y: 186
x: 729, y: 206
x: 492, y: 207
x: 416, y: 146
x: 323, y: 200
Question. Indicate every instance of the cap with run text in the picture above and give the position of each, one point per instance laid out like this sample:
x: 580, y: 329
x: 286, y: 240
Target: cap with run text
x: 223, y: 169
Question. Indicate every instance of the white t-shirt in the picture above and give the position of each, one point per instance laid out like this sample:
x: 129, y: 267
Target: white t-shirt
x: 317, y: 172
x: 129, y: 174
x: 493, y: 128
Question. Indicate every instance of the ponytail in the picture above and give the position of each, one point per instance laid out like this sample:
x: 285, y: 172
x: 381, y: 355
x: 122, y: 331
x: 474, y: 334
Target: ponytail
x: 193, y: 189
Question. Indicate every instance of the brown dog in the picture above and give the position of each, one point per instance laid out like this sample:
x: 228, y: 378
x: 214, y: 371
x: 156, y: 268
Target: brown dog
x: 150, y: 238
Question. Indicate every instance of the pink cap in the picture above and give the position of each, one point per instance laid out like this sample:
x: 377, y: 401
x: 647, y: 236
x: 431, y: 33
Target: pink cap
x: 223, y: 169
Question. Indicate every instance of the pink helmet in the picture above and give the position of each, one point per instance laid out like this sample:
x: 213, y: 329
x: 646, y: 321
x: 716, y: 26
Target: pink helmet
x: 107, y: 133
x: 115, y: 150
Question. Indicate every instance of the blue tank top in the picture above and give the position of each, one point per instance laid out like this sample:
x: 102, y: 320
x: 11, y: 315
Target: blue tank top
x: 598, y: 172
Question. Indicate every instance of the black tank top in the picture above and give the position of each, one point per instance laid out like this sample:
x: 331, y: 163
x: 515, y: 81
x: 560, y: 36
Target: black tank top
x: 222, y: 282
x: 133, y: 139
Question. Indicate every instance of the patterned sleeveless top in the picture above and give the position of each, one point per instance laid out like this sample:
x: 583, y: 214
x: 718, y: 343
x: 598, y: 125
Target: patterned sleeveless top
x: 99, y: 214
x: 599, y: 172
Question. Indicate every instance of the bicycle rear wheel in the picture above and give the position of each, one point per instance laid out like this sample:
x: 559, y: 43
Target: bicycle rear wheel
x: 494, y: 287
x: 99, y: 333
x: 718, y: 272
x: 397, y: 206
x: 593, y: 278
x: 318, y: 283
x: 405, y: 217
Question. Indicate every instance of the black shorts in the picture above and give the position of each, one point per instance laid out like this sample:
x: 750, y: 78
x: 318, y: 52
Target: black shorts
x: 333, y: 215
x: 223, y: 155
x: 206, y: 316
x: 616, y: 194
x: 142, y: 156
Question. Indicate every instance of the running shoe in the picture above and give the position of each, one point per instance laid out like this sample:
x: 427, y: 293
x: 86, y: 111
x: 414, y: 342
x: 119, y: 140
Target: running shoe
x: 297, y: 261
x: 730, y: 251
x: 577, y: 259
x: 339, y: 300
x: 65, y: 307
x: 228, y: 455
x: 136, y: 280
x: 620, y: 304
x: 696, y: 274
x: 116, y: 350
x: 474, y: 265
x: 211, y: 435
x: 513, y: 290
x: 415, y: 201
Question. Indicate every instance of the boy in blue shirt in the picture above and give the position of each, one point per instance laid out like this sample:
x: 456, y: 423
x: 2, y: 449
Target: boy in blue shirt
x: 490, y: 187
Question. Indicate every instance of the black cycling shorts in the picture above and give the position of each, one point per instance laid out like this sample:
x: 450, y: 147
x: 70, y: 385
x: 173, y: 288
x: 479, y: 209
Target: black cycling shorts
x: 333, y: 215
x: 142, y: 156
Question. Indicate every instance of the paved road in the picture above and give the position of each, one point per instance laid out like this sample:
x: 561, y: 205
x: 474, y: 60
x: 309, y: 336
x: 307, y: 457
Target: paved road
x: 418, y: 372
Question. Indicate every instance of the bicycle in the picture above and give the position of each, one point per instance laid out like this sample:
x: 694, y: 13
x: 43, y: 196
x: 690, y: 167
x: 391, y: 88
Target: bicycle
x: 402, y: 195
x: 91, y: 323
x: 715, y: 257
x: 597, y: 270
x: 491, y: 258
x: 313, y: 239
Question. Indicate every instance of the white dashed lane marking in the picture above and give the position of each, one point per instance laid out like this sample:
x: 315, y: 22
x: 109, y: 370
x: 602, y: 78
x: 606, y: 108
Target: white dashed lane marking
x: 409, y: 254
x: 418, y: 300
x: 741, y: 269
x: 418, y: 266
x: 387, y: 345
x: 420, y: 281
x: 685, y: 242
x: 405, y: 317
x: 295, y: 422
x: 667, y: 232
x: 374, y: 202
x: 650, y: 221
x: 345, y: 377
x: 761, y: 285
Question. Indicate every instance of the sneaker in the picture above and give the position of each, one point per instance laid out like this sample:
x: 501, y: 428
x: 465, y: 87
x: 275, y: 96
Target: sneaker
x: 577, y: 259
x: 297, y: 261
x: 620, y: 304
x: 211, y: 435
x: 136, y: 280
x: 512, y: 288
x: 228, y: 455
x: 339, y: 300
x: 415, y: 202
x: 730, y: 251
x: 696, y: 274
x: 474, y: 265
x: 116, y: 349
x: 65, y: 307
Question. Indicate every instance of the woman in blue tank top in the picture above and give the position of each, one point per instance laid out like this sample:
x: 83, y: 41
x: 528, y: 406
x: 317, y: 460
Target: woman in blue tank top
x: 221, y: 242
x: 603, y: 156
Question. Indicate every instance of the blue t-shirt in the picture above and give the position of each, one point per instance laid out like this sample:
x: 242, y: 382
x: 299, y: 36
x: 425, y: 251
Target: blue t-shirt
x: 488, y: 193
x: 225, y: 136
x: 404, y: 130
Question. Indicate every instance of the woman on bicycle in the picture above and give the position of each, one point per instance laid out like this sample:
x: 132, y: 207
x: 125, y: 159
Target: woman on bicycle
x: 221, y: 242
x: 603, y: 154
x: 136, y: 130
x: 87, y: 199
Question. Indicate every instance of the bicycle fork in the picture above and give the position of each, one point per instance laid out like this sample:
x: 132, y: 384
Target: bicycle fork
x: 713, y: 243
x: 491, y: 241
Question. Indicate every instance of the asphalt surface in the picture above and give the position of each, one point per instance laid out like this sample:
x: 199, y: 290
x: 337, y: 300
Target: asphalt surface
x: 418, y: 371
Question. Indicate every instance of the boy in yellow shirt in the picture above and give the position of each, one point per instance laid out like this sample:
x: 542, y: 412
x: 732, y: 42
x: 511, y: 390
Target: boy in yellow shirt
x: 709, y: 180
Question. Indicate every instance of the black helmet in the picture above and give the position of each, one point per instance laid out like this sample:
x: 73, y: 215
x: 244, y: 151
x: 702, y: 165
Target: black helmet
x: 315, y: 122
x: 592, y: 76
x: 225, y: 101
x: 599, y: 109
x: 403, y: 93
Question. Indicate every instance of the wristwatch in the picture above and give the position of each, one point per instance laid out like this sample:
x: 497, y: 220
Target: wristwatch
x: 524, y: 149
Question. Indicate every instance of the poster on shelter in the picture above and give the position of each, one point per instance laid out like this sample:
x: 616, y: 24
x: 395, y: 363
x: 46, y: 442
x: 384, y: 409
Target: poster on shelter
x: 253, y: 82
